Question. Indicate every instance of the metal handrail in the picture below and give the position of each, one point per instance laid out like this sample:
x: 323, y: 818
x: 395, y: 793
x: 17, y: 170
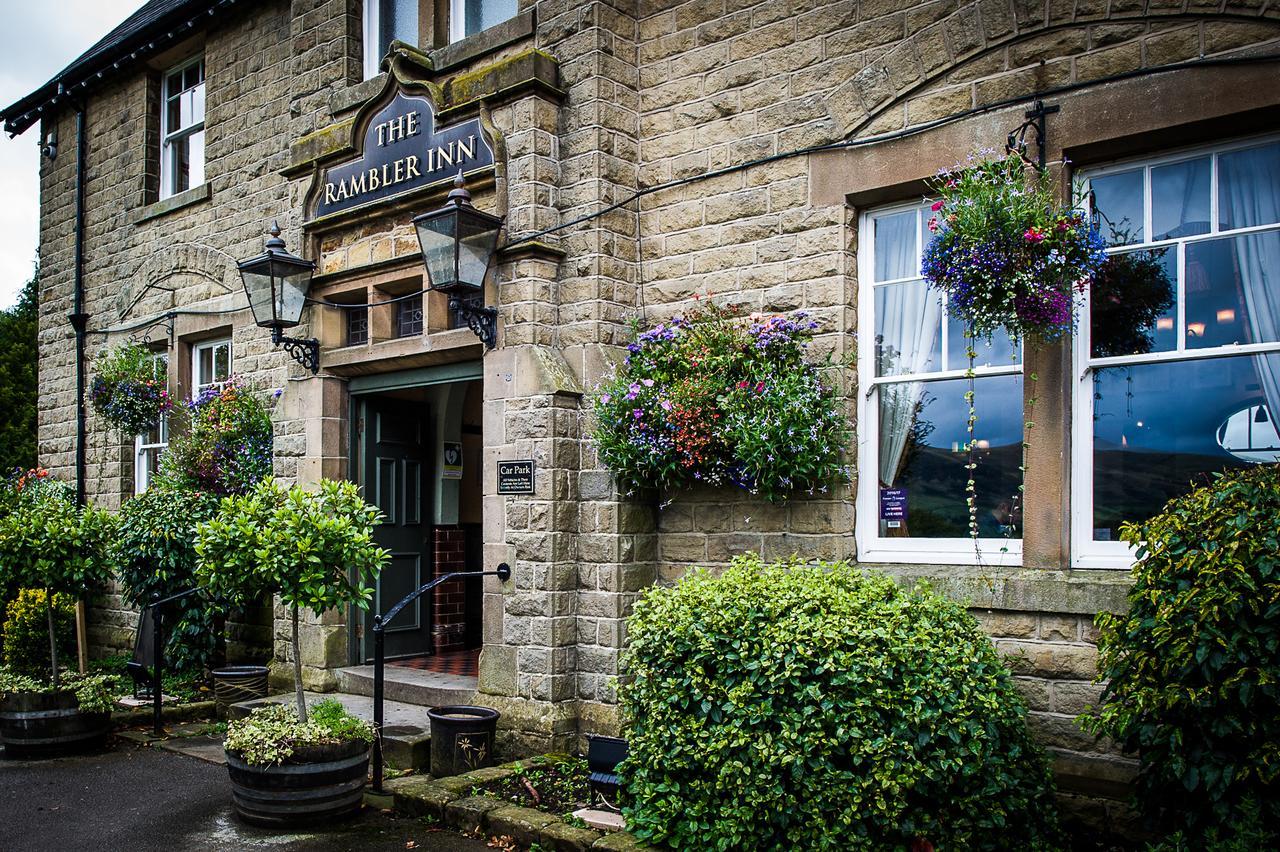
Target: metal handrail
x: 157, y: 665
x: 502, y: 572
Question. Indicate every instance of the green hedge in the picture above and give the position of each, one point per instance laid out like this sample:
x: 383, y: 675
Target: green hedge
x: 26, y: 631
x: 1194, y: 665
x: 799, y: 707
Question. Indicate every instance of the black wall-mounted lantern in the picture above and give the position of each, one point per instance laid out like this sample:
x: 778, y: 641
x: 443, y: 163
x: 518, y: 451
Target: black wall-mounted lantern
x: 458, y: 243
x: 276, y: 283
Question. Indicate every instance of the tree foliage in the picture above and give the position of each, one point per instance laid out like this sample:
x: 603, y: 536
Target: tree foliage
x: 18, y: 356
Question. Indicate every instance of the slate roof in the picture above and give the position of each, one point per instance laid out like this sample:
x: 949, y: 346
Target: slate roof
x: 153, y: 28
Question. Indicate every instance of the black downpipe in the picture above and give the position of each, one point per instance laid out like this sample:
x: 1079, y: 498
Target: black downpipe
x: 79, y: 319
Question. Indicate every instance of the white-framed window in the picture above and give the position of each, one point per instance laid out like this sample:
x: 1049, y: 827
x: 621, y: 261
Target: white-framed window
x: 468, y: 17
x: 148, y: 447
x: 385, y: 21
x: 210, y: 365
x: 1178, y: 355
x: 913, y: 415
x: 182, y: 128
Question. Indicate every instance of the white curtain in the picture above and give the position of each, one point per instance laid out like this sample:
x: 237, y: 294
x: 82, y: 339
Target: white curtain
x: 908, y: 320
x: 1249, y: 194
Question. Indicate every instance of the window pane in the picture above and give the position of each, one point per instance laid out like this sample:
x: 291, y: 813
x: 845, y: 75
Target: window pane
x: 482, y: 14
x: 908, y: 329
x: 179, y: 165
x: 1117, y: 205
x: 1000, y: 351
x: 409, y: 316
x: 1161, y: 428
x: 173, y: 114
x: 1180, y: 199
x: 1249, y: 187
x: 896, y: 253
x: 204, y: 366
x: 921, y: 451
x: 1133, y: 304
x: 222, y: 362
x: 398, y: 19
x: 357, y: 326
x: 1233, y: 290
x: 195, y: 158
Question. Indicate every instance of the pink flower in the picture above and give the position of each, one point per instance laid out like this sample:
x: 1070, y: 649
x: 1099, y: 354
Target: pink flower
x: 759, y: 387
x: 605, y: 399
x: 647, y: 382
x: 1034, y: 234
x: 666, y: 406
x: 933, y: 224
x: 937, y: 205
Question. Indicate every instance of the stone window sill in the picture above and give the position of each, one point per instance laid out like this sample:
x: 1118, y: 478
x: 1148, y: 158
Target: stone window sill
x: 165, y: 206
x: 484, y: 42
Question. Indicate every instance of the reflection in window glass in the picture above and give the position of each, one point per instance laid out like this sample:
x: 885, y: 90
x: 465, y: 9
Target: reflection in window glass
x: 1133, y: 304
x: 1159, y: 429
x: 921, y: 451
x: 1249, y: 187
x: 1117, y: 202
x: 1233, y: 290
x: 1000, y: 351
x: 908, y: 329
x: 477, y: 15
x: 1180, y: 199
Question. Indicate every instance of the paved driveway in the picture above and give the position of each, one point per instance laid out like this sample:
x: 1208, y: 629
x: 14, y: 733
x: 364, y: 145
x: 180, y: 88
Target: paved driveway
x: 132, y: 799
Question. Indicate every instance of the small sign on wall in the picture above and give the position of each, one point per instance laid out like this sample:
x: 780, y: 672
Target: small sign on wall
x: 451, y: 461
x: 893, y: 506
x: 515, y: 477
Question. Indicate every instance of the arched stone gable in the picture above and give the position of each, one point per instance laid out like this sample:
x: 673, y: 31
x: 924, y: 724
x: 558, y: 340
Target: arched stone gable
x: 180, y: 274
x: 992, y: 51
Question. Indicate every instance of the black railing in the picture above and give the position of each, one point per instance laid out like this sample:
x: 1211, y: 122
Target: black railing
x: 157, y: 664
x: 502, y: 572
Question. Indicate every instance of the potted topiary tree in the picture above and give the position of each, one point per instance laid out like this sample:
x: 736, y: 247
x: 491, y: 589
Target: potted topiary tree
x: 49, y: 542
x: 315, y: 550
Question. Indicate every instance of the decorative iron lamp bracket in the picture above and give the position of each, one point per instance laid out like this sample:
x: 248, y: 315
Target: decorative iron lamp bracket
x: 483, y: 321
x: 304, y: 350
x: 1035, y: 120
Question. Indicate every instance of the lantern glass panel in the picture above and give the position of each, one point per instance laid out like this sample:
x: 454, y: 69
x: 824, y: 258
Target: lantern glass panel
x: 477, y: 240
x: 258, y: 287
x: 436, y: 236
x: 291, y: 297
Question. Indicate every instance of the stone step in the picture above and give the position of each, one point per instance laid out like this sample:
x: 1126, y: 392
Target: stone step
x: 406, y: 730
x: 412, y: 686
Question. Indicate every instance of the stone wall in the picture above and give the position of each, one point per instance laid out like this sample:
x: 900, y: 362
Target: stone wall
x: 605, y: 100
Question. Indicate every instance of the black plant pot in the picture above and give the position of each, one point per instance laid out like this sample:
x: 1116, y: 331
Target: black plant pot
x: 461, y: 738
x: 49, y: 724
x: 233, y: 684
x: 318, y: 784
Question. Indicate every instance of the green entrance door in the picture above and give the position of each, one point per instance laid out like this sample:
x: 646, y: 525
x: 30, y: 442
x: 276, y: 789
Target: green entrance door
x: 394, y: 477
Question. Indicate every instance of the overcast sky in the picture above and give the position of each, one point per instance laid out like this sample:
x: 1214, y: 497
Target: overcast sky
x: 37, y: 41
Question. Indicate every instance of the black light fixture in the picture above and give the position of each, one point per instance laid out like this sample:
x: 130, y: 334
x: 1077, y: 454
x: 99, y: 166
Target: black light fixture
x: 458, y: 243
x: 276, y: 283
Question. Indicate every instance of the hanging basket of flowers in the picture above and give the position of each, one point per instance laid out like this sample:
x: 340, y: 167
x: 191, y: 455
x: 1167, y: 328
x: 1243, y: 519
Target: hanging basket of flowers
x: 715, y: 398
x: 129, y: 388
x: 1006, y: 253
x: 225, y: 441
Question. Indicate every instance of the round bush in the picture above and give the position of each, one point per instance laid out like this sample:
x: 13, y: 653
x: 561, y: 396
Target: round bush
x: 1194, y: 665
x: 817, y: 707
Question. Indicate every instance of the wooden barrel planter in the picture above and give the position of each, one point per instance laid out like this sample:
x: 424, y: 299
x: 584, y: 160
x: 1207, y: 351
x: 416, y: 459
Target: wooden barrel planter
x: 317, y: 784
x: 48, y: 724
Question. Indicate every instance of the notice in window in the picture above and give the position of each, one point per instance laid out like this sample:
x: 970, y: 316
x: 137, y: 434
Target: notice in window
x: 893, y: 506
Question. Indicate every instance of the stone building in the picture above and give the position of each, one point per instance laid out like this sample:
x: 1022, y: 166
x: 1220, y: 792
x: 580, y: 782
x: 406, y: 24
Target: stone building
x: 771, y: 154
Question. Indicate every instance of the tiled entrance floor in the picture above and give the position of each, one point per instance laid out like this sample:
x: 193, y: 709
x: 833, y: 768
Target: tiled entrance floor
x: 464, y: 663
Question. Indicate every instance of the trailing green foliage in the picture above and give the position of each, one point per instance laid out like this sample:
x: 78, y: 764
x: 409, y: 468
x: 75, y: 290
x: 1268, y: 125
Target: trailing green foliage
x: 269, y: 735
x: 710, y: 398
x: 221, y: 441
x: 94, y: 692
x: 313, y: 548
x: 130, y: 388
x: 1194, y: 665
x: 47, y: 541
x: 788, y: 706
x: 26, y: 631
x: 155, y: 554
